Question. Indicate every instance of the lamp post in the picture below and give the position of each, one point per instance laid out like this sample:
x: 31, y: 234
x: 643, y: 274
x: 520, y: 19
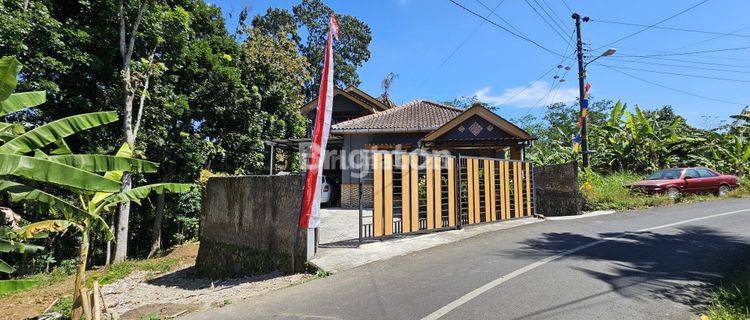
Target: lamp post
x: 581, y: 86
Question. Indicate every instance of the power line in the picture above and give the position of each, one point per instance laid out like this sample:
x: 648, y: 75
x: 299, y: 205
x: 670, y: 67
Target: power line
x: 675, y: 89
x: 672, y: 28
x: 547, y: 22
x: 506, y: 29
x: 653, y: 25
x: 460, y: 45
x: 502, y: 19
x: 686, y: 53
x: 676, y: 73
x: 567, y: 6
x: 552, y: 16
x: 714, y: 38
x: 677, y: 65
x: 699, y: 62
x: 525, y: 88
x: 553, y: 12
x: 681, y: 53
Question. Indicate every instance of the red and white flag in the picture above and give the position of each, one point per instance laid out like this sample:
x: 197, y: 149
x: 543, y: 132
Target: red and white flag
x: 309, y: 215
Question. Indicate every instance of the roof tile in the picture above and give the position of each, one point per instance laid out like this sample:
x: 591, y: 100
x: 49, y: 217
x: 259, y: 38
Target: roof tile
x: 417, y: 115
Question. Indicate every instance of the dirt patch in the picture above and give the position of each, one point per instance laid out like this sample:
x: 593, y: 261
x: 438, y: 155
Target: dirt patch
x: 33, y: 302
x: 144, y: 289
x: 161, y: 311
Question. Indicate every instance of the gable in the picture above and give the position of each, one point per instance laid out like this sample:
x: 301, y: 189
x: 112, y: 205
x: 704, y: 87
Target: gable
x: 478, y: 123
x: 475, y: 128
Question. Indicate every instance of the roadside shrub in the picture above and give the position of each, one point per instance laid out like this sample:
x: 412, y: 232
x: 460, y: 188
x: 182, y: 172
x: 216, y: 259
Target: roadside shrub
x: 731, y: 301
x: 609, y: 192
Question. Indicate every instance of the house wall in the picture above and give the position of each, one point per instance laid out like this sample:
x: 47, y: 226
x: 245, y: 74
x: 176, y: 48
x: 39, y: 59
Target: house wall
x: 350, y: 175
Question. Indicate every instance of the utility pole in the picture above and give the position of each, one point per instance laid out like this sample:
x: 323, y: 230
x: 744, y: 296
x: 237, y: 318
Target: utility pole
x: 582, y: 90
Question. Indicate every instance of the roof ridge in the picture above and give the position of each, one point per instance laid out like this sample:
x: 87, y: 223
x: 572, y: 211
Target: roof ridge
x: 442, y: 105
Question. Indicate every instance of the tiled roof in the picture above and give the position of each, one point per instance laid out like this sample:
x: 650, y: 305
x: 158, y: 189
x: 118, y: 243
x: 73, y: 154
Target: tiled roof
x: 417, y: 115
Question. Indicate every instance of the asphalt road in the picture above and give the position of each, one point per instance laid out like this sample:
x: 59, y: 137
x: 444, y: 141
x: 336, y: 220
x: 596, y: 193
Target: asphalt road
x: 651, y: 264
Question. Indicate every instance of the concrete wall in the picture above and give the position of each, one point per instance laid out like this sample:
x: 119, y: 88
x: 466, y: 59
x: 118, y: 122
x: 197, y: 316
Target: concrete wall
x: 248, y: 225
x: 557, y: 191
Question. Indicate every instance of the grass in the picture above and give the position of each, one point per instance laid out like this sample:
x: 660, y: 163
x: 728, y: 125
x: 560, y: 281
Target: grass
x: 731, y: 301
x: 121, y: 270
x: 609, y: 193
x: 104, y: 275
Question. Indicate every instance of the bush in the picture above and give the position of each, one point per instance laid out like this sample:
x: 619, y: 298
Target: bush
x: 609, y: 192
x: 731, y: 301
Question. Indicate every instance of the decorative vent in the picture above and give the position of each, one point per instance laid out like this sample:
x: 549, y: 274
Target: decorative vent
x: 461, y: 129
x: 475, y: 129
x: 490, y: 127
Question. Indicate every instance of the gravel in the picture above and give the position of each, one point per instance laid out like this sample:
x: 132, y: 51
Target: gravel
x: 141, y: 289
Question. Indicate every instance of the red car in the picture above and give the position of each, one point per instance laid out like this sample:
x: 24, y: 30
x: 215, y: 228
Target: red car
x: 686, y: 180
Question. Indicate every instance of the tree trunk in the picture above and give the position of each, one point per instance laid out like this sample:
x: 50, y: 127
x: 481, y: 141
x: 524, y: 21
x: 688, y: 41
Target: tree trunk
x: 121, y: 243
x: 83, y: 255
x: 156, y: 228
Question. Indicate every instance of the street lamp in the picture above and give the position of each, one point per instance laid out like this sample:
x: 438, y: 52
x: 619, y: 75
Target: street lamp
x: 608, y: 53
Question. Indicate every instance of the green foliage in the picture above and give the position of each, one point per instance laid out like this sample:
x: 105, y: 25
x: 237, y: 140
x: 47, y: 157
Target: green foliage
x: 63, y: 306
x: 123, y: 269
x: 638, y: 140
x: 609, y: 193
x: 731, y: 301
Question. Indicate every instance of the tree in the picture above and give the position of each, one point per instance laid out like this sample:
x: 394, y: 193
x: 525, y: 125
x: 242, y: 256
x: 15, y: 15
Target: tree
x: 76, y: 173
x: 311, y: 17
x: 269, y: 83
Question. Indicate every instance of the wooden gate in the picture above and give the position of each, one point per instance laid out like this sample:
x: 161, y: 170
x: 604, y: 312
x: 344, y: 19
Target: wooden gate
x: 428, y: 192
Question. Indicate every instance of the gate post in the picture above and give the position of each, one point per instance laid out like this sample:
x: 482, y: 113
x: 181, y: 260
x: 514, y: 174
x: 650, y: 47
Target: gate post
x: 360, y: 194
x: 457, y: 180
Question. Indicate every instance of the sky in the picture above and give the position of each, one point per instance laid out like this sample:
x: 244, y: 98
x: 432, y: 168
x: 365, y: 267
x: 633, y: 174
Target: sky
x: 440, y: 51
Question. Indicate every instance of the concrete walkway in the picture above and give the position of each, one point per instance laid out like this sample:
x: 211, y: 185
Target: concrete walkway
x: 338, y: 224
x: 336, y: 258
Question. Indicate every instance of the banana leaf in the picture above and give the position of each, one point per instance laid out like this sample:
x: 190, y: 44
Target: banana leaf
x: 125, y: 152
x: 6, y: 268
x: 9, y: 286
x: 9, y: 69
x: 56, y: 130
x: 20, y: 192
x: 136, y: 194
x: 104, y: 163
x: 19, y: 101
x: 45, y: 227
x: 62, y: 148
x: 20, y: 247
x: 56, y: 173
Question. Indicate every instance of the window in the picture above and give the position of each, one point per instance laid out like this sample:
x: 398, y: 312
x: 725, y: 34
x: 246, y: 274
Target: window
x: 705, y: 173
x: 692, y: 173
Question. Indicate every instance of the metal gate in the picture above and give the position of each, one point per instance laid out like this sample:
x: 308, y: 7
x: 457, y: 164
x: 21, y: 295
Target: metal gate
x: 415, y: 193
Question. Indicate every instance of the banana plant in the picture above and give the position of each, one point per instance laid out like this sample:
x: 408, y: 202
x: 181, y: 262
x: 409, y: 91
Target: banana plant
x: 92, y: 178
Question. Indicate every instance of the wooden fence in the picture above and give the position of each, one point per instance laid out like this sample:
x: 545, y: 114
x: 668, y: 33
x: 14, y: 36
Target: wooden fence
x: 424, y: 192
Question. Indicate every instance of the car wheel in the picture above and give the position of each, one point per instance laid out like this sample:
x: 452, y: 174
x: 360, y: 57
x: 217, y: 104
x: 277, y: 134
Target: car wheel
x: 673, y: 192
x: 723, y: 190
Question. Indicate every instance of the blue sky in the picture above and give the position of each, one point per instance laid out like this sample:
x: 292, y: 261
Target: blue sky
x: 413, y: 38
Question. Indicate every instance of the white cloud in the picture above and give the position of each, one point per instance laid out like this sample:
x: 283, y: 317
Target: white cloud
x: 528, y: 97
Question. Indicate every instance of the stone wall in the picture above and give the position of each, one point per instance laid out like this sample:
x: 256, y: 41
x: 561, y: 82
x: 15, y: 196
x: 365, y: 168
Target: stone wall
x: 557, y: 192
x: 350, y: 196
x: 248, y: 224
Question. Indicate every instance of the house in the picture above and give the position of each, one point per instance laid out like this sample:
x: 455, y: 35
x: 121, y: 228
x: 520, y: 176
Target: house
x: 362, y: 122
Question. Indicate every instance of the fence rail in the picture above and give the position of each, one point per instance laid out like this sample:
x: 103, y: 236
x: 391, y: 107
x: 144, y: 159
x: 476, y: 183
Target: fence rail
x: 415, y: 193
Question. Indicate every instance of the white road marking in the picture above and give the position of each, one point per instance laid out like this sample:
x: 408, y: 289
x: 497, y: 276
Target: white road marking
x: 494, y: 283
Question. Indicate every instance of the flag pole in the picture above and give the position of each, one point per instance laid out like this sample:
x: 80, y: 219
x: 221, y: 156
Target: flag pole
x: 310, y: 204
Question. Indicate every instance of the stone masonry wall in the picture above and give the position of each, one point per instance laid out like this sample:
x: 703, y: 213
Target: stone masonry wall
x: 248, y: 224
x: 350, y: 196
x: 557, y: 192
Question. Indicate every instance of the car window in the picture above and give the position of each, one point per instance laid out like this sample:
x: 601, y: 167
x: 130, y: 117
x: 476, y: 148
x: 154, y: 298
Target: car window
x: 665, y: 174
x: 705, y: 173
x: 692, y: 173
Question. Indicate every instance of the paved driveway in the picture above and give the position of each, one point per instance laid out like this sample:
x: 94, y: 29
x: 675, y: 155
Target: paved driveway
x: 338, y: 224
x: 651, y: 264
